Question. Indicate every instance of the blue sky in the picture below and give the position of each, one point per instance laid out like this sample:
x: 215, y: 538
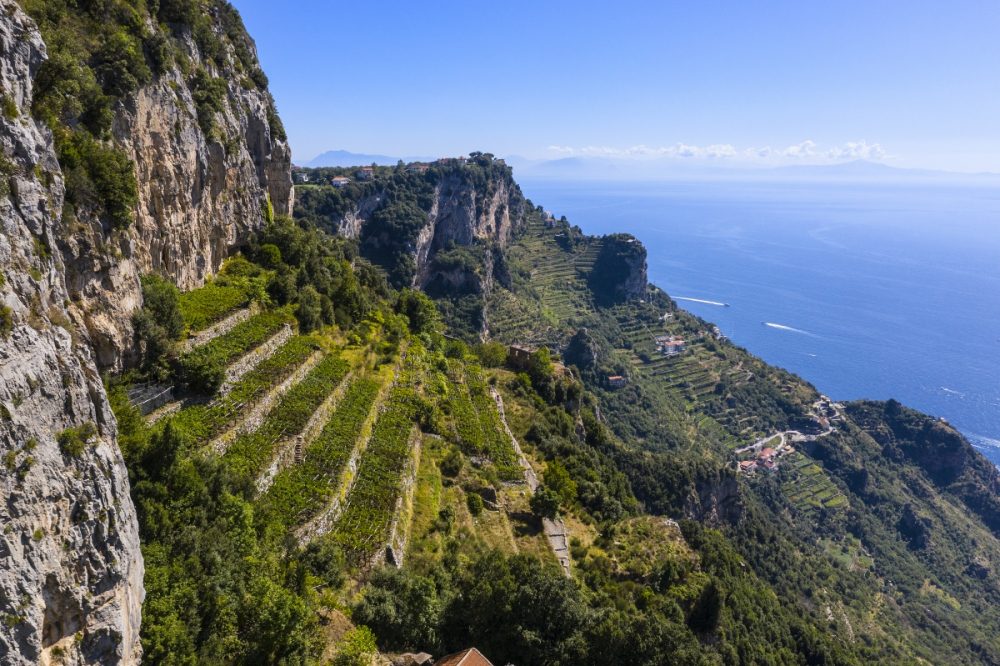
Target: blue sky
x: 911, y: 83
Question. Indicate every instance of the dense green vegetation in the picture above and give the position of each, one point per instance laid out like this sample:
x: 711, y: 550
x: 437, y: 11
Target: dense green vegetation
x: 320, y: 274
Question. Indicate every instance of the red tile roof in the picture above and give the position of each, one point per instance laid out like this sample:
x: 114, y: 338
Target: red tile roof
x: 470, y: 657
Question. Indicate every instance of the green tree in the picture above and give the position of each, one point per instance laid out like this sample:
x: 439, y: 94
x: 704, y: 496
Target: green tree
x: 492, y: 354
x: 120, y: 64
x: 545, y: 503
x: 557, y: 479
x: 474, y: 502
x: 281, y: 287
x: 540, y: 369
x: 310, y: 311
x: 269, y: 255
x: 420, y: 311
x: 356, y: 648
x: 161, y: 298
x: 402, y: 608
x: 158, y: 323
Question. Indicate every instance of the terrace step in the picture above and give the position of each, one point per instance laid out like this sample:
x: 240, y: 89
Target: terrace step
x: 324, y: 521
x: 150, y: 396
x: 250, y: 361
x: 255, y: 416
x: 219, y: 328
x: 289, y: 451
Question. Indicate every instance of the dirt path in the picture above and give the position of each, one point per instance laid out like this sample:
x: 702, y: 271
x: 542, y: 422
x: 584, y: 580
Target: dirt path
x: 556, y: 532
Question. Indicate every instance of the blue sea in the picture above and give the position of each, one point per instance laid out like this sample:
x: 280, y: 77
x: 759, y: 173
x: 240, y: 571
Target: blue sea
x: 867, y: 291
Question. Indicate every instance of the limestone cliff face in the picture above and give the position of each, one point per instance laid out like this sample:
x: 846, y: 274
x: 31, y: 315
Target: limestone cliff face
x: 70, y: 564
x: 462, y: 214
x: 460, y: 210
x: 199, y: 197
x: 70, y: 567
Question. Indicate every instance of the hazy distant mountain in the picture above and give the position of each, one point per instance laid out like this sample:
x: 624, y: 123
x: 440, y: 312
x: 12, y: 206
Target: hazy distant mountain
x: 344, y: 158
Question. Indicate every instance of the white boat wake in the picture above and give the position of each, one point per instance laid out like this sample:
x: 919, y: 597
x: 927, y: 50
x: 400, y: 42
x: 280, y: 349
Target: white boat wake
x: 701, y: 300
x: 790, y: 329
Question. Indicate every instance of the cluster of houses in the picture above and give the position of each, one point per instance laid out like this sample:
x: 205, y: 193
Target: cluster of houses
x: 767, y: 459
x: 670, y: 345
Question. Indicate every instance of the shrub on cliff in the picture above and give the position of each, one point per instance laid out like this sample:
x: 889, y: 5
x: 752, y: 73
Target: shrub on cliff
x: 158, y: 323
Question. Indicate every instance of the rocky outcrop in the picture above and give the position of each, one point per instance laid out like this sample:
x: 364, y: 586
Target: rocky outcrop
x: 199, y: 198
x: 619, y: 273
x: 474, y: 204
x: 463, y: 213
x: 70, y: 566
x: 715, y: 500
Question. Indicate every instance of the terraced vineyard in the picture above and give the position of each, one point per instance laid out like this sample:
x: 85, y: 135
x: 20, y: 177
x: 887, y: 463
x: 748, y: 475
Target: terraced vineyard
x: 244, y: 337
x: 497, y: 444
x: 206, y: 421
x: 364, y: 526
x: 477, y: 423
x: 250, y: 452
x: 207, y: 305
x: 299, y: 492
x: 809, y: 488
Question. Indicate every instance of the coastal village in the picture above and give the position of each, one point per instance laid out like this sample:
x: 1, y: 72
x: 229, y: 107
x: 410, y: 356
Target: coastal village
x: 766, y: 453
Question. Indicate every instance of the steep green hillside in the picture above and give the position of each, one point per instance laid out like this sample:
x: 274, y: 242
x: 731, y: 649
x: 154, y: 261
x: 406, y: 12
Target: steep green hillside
x: 421, y: 415
x: 876, y: 521
x: 376, y: 469
x: 645, y: 493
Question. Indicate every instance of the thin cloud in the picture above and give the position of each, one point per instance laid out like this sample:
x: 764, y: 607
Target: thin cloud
x: 857, y: 150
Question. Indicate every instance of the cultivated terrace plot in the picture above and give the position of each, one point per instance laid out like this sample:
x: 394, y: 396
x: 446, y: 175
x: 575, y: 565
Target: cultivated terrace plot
x: 238, y: 282
x: 203, y: 422
x: 250, y: 452
x: 207, y: 305
x: 299, y: 492
x: 477, y: 423
x: 496, y: 442
x: 244, y: 337
x: 363, y: 528
x: 808, y: 487
x: 468, y: 430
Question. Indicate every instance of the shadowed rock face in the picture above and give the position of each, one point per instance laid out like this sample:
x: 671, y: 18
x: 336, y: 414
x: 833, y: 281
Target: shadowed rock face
x: 619, y: 274
x: 70, y: 565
